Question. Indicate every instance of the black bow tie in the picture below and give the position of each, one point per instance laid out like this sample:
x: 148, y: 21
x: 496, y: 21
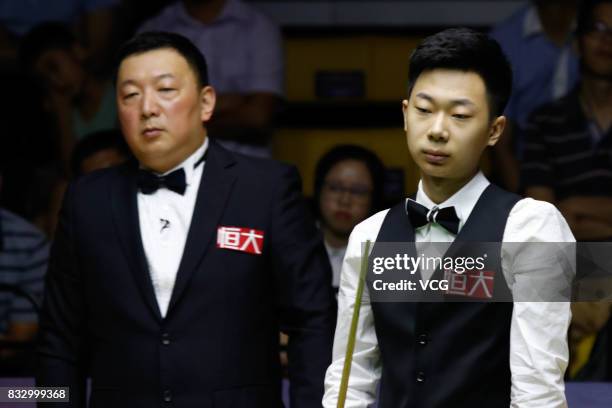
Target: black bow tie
x: 420, y: 215
x: 149, y: 182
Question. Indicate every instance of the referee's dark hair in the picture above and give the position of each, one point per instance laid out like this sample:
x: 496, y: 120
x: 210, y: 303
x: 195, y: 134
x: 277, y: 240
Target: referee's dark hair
x: 351, y: 152
x: 156, y: 40
x: 467, y: 50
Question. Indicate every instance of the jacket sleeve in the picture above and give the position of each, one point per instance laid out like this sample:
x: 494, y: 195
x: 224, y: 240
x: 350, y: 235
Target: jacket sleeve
x: 60, y: 343
x: 304, y: 291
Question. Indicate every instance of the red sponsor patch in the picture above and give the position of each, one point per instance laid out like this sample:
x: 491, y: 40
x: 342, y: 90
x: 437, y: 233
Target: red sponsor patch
x: 240, y: 239
x: 472, y: 284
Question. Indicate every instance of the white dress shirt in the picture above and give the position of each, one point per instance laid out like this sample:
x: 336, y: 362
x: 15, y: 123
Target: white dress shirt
x: 538, y: 346
x: 335, y: 255
x: 165, y: 217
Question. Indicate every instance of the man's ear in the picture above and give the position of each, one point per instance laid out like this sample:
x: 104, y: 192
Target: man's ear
x: 208, y: 98
x: 496, y: 130
x: 405, y: 111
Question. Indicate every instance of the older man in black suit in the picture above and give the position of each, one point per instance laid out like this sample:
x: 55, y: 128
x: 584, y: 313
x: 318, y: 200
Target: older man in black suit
x: 169, y: 281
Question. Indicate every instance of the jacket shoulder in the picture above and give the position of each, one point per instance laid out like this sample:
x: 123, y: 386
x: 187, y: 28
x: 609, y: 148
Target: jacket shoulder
x: 97, y: 178
x: 259, y: 169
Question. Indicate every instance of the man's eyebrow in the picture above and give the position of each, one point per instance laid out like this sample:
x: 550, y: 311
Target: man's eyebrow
x: 156, y: 78
x: 127, y: 82
x: 460, y: 101
x: 463, y: 102
x: 162, y: 76
x: 423, y: 95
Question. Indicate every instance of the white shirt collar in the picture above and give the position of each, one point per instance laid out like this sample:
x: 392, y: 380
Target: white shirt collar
x: 463, y: 200
x: 334, y: 251
x: 531, y: 23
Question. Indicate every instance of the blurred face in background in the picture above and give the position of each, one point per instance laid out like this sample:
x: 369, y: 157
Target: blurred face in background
x: 596, y: 44
x: 102, y: 159
x: 61, y: 70
x: 346, y: 197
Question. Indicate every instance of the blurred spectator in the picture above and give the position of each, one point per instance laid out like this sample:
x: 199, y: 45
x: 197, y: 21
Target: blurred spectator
x: 91, y: 19
x: 43, y: 199
x: 39, y: 197
x: 567, y: 155
x: 348, y: 189
x: 567, y: 162
x: 24, y: 252
x: 244, y: 51
x: 98, y: 151
x: 131, y: 14
x: 590, y: 342
x: 538, y: 42
x: 81, y: 102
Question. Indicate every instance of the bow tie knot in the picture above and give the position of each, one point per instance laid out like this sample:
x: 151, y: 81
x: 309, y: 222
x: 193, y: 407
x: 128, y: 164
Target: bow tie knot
x: 176, y: 181
x: 149, y: 182
x: 420, y: 215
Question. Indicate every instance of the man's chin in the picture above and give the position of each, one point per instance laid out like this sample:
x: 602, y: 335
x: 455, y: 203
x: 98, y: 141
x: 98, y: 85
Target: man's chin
x: 154, y: 162
x: 435, y: 171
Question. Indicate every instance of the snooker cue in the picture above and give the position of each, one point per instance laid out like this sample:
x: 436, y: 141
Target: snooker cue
x: 348, y: 358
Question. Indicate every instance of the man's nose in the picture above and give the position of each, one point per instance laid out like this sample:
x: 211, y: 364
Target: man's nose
x: 438, y: 131
x: 150, y: 106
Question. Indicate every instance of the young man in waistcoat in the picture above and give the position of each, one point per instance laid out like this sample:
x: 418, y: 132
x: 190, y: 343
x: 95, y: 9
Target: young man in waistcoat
x: 471, y: 353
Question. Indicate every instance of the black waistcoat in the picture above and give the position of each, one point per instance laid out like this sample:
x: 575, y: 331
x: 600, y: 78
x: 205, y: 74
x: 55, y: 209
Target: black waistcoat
x: 453, y: 354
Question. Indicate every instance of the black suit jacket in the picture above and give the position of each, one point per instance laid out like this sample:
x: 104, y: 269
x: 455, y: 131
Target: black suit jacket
x: 218, y: 344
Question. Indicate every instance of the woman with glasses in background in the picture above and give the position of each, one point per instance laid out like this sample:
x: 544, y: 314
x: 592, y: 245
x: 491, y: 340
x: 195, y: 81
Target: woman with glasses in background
x: 348, y: 189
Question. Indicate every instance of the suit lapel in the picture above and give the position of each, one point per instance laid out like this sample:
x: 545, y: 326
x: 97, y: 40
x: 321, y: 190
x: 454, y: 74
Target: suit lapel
x: 217, y: 181
x: 125, y: 217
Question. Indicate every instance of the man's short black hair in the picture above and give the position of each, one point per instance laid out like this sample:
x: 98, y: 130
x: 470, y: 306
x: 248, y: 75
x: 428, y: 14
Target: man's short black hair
x: 585, y: 17
x: 351, y: 152
x: 43, y: 37
x: 467, y: 50
x: 155, y: 40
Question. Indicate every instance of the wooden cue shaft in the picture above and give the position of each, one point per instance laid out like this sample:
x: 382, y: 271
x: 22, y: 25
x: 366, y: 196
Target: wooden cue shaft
x: 348, y: 358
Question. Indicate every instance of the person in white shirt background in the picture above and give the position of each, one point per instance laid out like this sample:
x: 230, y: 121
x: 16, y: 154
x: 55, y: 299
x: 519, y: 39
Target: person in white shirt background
x: 514, y: 354
x: 246, y: 67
